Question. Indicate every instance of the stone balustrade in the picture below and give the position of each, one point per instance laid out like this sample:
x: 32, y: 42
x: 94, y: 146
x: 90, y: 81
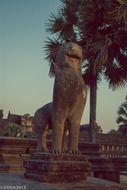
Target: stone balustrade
x: 111, y: 150
x: 108, y: 157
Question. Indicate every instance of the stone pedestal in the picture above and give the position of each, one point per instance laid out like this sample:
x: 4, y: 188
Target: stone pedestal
x: 13, y: 152
x: 47, y: 167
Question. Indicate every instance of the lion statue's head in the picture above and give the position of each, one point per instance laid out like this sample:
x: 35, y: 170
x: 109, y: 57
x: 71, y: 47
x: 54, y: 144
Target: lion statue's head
x: 68, y: 54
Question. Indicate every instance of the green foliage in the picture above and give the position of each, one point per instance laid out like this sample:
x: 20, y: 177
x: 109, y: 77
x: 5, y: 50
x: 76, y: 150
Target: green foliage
x: 113, y: 132
x: 14, y: 130
x: 122, y: 117
x: 51, y: 48
x: 1, y: 114
x: 100, y: 26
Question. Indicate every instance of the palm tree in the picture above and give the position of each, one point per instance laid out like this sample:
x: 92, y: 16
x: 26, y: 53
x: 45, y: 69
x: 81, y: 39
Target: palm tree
x: 99, y: 26
x: 122, y: 117
x: 103, y: 37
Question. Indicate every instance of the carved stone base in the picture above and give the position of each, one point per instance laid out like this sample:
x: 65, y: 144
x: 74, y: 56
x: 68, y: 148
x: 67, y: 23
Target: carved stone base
x: 47, y: 167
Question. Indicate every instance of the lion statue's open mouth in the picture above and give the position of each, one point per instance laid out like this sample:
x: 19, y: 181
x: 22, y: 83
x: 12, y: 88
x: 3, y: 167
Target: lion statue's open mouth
x: 73, y: 56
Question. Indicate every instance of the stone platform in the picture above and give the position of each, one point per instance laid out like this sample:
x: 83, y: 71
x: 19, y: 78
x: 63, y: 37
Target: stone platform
x: 48, y: 167
x: 18, y: 182
x: 13, y: 152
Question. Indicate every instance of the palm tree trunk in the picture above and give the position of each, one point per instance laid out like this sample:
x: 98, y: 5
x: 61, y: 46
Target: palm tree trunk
x: 92, y: 118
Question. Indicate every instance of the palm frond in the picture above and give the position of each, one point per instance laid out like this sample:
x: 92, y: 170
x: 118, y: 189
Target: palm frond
x: 124, y: 105
x: 122, y: 111
x: 51, y: 48
x: 55, y: 24
x: 122, y: 114
x: 121, y: 120
x: 89, y: 76
x: 120, y: 12
x: 116, y: 76
x: 69, y: 11
x: 61, y: 27
x: 102, y: 37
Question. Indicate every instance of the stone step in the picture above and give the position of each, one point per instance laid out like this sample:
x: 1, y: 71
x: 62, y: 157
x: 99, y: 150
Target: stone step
x: 11, y: 168
x: 90, y: 149
x: 60, y: 166
x: 58, y: 157
x: 12, y: 162
x: 8, y: 150
x: 56, y: 177
x: 10, y: 158
x: 16, y: 150
x: 13, y: 158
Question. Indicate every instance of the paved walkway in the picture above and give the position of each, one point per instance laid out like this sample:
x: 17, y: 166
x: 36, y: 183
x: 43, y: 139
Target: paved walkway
x: 18, y: 182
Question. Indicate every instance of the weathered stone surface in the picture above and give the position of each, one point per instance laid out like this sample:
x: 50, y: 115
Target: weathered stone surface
x: 68, y: 83
x: 102, y: 166
x: 15, y: 145
x: 42, y: 125
x: 47, y: 167
x: 13, y: 152
x: 12, y: 155
x: 16, y: 180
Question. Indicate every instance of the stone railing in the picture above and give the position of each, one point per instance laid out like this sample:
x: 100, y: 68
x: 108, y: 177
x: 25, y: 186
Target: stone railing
x: 114, y: 150
x: 110, y: 145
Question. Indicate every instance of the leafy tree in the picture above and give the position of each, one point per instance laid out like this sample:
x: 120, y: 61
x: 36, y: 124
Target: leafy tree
x: 100, y: 27
x: 122, y: 117
x: 113, y: 132
x: 1, y: 114
x: 103, y: 36
x: 14, y: 130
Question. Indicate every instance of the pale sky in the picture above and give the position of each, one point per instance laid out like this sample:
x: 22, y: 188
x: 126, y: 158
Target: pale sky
x: 24, y: 81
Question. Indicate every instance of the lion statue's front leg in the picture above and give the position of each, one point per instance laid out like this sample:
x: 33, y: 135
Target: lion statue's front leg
x: 42, y: 125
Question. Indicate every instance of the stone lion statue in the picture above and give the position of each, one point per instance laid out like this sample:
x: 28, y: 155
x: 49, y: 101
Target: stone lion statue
x: 42, y: 125
x: 69, y: 96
